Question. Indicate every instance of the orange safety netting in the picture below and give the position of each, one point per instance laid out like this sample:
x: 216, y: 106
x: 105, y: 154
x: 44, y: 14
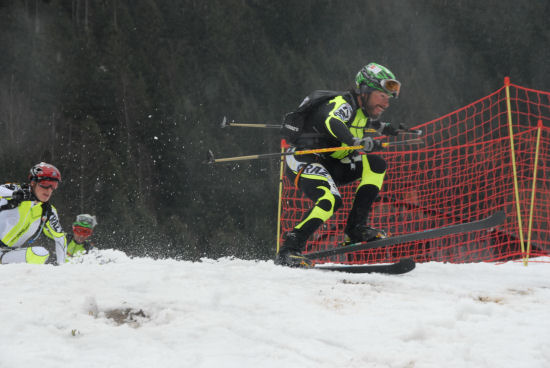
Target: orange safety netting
x: 464, y: 172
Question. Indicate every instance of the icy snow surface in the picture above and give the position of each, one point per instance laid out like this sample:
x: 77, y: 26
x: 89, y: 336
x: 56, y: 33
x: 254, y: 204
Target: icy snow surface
x: 111, y: 311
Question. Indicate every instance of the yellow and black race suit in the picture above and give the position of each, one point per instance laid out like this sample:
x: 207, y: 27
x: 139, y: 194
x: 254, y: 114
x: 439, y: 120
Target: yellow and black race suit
x: 337, y: 123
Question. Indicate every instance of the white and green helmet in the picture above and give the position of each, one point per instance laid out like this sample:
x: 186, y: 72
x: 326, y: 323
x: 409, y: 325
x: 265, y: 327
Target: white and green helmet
x: 377, y: 77
x: 85, y: 220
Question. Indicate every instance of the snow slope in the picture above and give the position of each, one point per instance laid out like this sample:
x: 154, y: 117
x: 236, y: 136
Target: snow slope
x: 234, y: 313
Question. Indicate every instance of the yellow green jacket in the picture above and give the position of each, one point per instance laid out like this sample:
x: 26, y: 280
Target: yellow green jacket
x: 75, y: 248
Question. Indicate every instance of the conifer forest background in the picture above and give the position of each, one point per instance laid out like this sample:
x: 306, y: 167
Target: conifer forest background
x: 126, y: 97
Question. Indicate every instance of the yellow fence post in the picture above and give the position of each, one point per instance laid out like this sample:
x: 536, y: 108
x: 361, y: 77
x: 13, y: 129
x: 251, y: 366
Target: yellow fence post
x: 513, y: 157
x: 283, y: 144
x: 533, y: 191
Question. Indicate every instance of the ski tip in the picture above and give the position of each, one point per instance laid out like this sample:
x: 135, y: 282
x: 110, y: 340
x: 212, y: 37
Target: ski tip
x: 406, y: 265
x: 224, y: 122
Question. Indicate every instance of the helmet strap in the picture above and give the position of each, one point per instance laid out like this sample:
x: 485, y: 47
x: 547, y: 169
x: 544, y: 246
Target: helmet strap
x: 32, y: 186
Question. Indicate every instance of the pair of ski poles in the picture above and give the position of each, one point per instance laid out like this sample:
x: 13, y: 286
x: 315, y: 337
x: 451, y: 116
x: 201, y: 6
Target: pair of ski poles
x: 211, y: 159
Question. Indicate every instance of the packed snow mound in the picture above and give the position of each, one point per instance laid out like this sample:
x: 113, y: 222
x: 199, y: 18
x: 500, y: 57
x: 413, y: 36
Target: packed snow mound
x: 100, y: 256
x: 106, y: 309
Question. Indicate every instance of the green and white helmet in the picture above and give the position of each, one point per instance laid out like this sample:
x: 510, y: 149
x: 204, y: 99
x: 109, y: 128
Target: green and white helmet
x: 377, y: 77
x: 85, y: 220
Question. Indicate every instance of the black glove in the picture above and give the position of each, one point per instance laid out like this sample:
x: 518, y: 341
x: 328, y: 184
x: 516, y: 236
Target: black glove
x: 369, y: 144
x: 388, y: 129
x: 23, y: 194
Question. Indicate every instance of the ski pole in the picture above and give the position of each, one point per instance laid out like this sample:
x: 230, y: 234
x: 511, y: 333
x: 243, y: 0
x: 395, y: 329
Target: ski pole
x: 212, y: 160
x: 418, y: 132
x: 403, y: 143
x: 232, y: 123
x: 226, y: 123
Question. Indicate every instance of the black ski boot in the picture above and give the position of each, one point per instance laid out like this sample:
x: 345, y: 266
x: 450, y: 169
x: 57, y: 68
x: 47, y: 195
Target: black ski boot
x: 356, y: 229
x: 363, y: 233
x: 290, y: 253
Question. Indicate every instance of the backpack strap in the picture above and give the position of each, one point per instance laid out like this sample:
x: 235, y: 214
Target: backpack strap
x: 46, y: 213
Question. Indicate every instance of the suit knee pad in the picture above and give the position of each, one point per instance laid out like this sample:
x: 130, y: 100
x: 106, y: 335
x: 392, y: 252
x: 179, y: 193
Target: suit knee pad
x: 377, y: 164
x: 330, y: 203
x: 36, y: 255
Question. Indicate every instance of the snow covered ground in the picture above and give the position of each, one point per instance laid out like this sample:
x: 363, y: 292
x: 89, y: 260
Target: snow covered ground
x: 234, y: 313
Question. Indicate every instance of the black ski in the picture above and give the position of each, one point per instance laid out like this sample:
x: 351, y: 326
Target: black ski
x: 403, y: 266
x: 495, y: 219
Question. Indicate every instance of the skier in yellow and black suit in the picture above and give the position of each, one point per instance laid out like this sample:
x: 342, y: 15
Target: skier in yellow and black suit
x: 341, y: 122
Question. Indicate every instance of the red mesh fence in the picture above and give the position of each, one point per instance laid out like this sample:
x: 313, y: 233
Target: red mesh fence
x: 464, y: 172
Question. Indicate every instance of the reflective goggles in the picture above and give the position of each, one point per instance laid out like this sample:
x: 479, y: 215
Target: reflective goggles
x: 82, y: 231
x: 391, y: 86
x: 48, y: 184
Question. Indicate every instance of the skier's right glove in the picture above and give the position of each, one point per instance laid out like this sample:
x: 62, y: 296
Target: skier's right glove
x: 369, y: 144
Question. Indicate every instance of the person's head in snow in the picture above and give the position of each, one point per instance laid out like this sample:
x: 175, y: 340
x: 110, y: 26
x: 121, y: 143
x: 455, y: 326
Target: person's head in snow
x: 340, y: 119
x: 83, y: 228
